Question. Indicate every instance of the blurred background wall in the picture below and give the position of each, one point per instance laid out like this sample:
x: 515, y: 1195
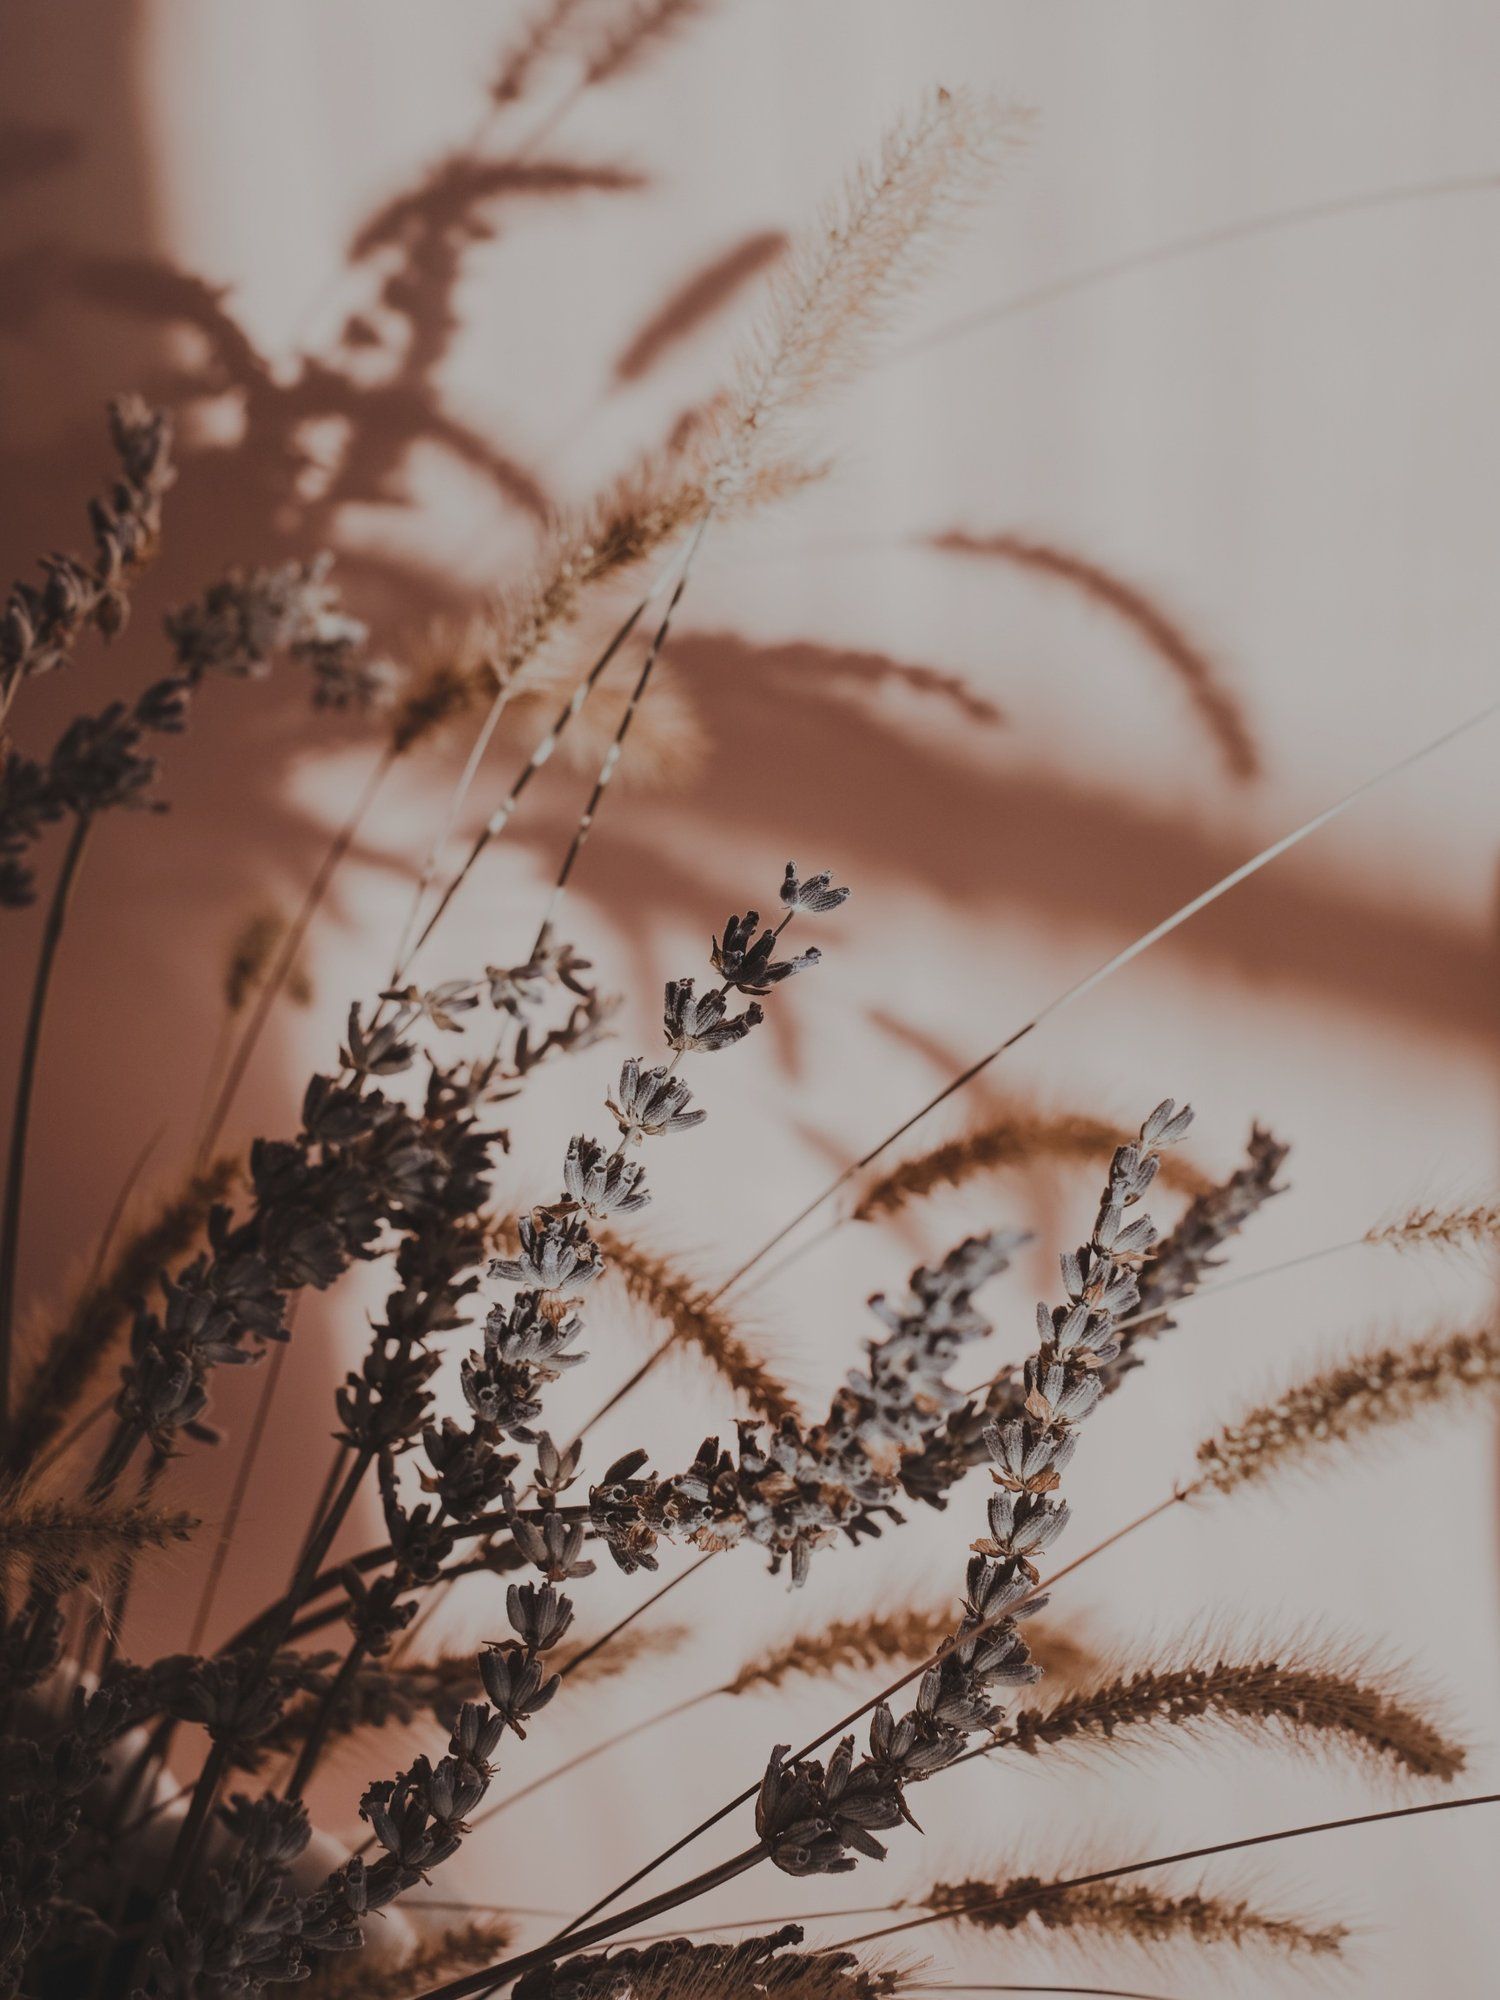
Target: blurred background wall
x: 1227, y: 335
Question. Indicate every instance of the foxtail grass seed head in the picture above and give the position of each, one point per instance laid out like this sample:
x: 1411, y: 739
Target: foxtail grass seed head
x: 1352, y: 1405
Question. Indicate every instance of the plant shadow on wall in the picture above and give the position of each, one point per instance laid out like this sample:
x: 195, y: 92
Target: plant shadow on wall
x: 156, y: 1836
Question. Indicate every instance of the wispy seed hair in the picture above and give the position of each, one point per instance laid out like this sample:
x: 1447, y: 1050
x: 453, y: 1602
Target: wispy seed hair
x: 1350, y: 1404
x: 890, y: 1639
x: 1447, y: 1228
x: 835, y: 293
x: 1131, y: 1912
x: 57, y: 1538
x: 1017, y: 1138
x: 683, y: 1306
x: 1317, y: 1699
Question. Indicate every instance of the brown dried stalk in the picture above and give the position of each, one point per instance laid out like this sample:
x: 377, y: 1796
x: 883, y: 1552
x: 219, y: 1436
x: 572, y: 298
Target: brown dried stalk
x: 1447, y: 1228
x: 1215, y: 703
x: 883, y: 1640
x: 76, y: 1349
x: 59, y: 1538
x: 1313, y: 1702
x: 349, y: 1975
x: 1348, y: 1404
x: 1133, y: 1912
x: 667, y: 1291
x: 1017, y: 1138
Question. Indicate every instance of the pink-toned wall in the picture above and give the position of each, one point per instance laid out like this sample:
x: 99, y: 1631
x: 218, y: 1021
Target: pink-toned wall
x: 1288, y: 435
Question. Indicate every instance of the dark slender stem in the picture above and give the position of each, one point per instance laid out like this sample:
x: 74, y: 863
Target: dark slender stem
x: 497, y: 821
x: 286, y: 957
x: 1185, y: 1854
x: 15, y: 1169
x: 669, y: 1899
x: 884, y: 1694
x: 607, y: 1638
x: 1086, y: 985
x: 322, y: 1722
x: 244, y: 1474
x: 617, y: 744
x: 217, y: 1761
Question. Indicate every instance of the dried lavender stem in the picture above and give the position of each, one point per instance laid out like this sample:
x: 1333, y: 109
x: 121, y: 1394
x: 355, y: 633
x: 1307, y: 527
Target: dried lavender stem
x: 1082, y: 987
x: 217, y: 1762
x: 15, y: 1170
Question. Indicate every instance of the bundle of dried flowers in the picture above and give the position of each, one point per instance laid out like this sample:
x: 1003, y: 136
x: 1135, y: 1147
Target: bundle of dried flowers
x: 231, y: 1892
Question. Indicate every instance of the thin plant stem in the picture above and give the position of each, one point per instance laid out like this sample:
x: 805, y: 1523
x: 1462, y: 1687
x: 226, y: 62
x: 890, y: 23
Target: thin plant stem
x: 286, y: 956
x: 1236, y: 1846
x: 1176, y: 249
x: 15, y: 1170
x: 625, y: 1735
x: 669, y: 1899
x: 495, y: 825
x: 242, y: 1478
x: 613, y: 753
x: 1082, y: 987
x: 216, y: 1764
x: 71, y: 1437
x: 317, y: 1735
x: 884, y: 1694
x: 482, y: 740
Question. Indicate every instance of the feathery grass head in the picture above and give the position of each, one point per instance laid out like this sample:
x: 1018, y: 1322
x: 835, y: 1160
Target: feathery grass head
x: 1350, y: 1404
x: 1020, y: 1137
x: 1476, y: 1228
x: 100, y: 1314
x: 1316, y: 1698
x: 1129, y: 1912
x: 835, y: 293
x: 57, y: 1539
x: 889, y: 1639
x: 683, y: 1306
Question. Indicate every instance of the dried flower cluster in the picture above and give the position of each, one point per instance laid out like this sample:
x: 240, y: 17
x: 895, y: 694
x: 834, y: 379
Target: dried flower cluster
x: 156, y: 1837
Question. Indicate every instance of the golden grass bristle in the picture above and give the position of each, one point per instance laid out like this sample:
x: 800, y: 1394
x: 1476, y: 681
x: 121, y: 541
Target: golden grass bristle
x: 462, y: 665
x: 57, y: 1538
x: 1020, y: 1137
x: 1448, y: 1228
x: 349, y: 1975
x: 1132, y: 1912
x: 674, y: 1298
x: 1348, y: 1404
x: 1313, y: 1702
x: 872, y: 247
x: 71, y: 1353
x: 891, y: 1639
